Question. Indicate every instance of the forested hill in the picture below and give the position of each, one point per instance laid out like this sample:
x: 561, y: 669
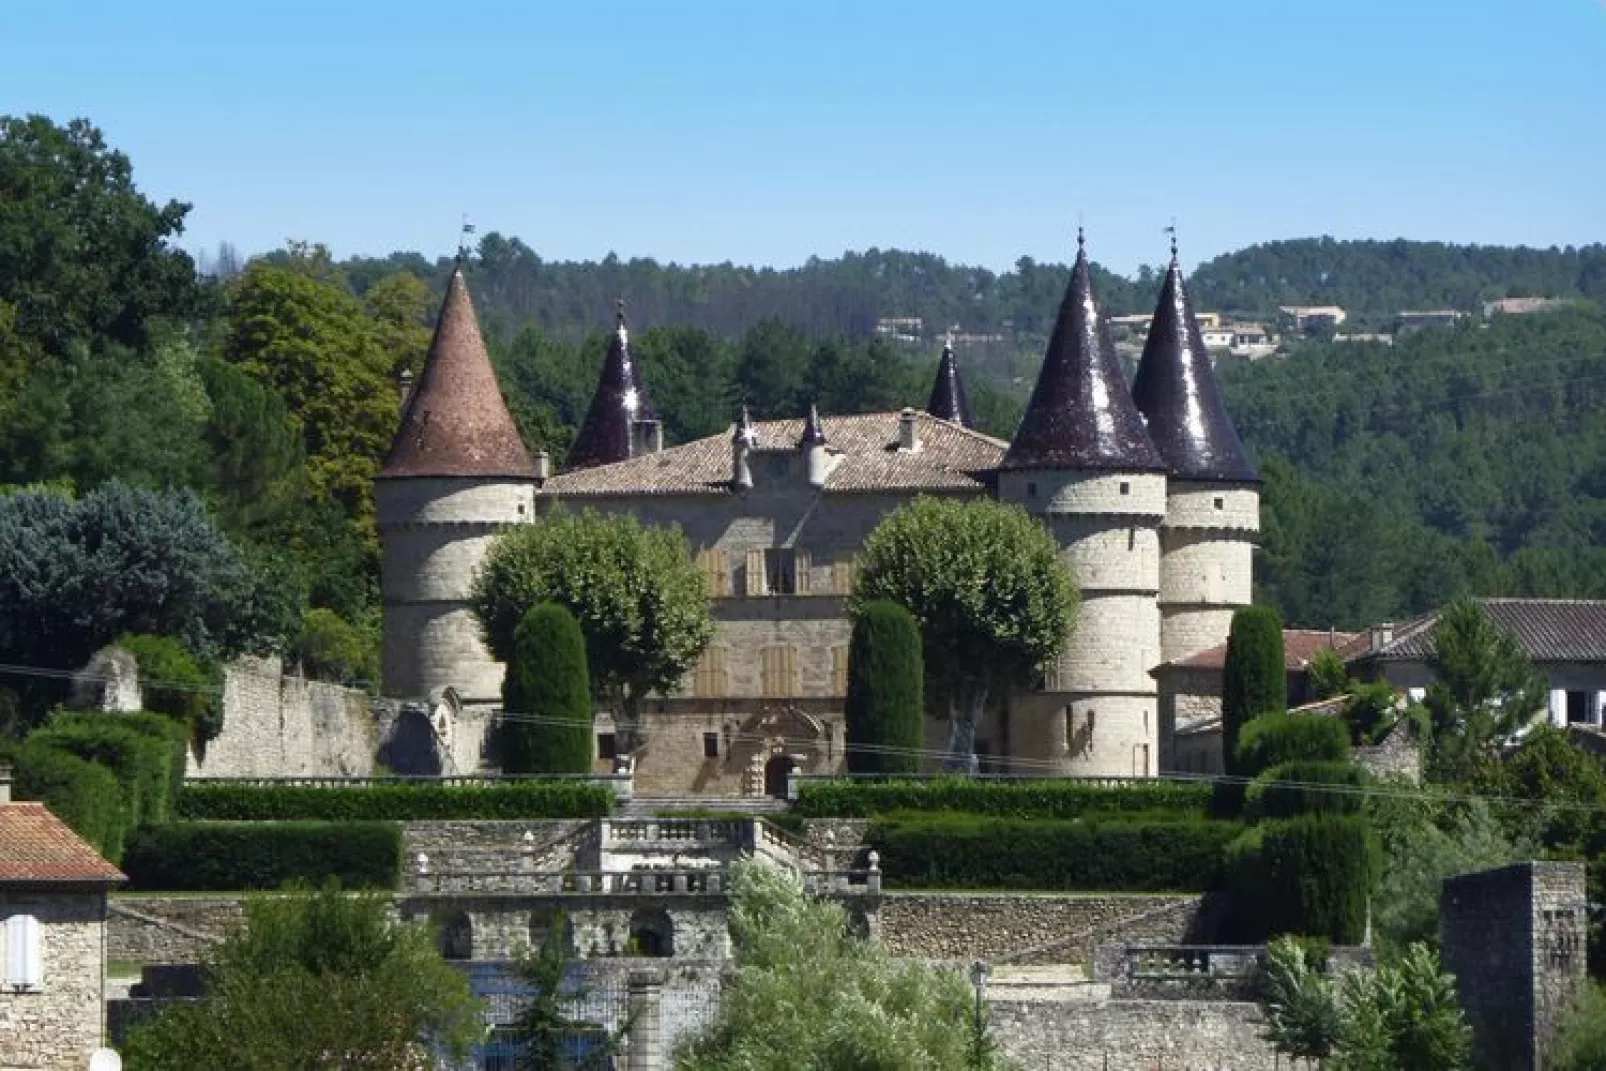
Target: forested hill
x: 847, y: 295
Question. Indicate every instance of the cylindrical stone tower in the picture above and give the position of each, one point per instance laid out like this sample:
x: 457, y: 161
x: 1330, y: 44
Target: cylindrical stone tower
x: 1082, y: 463
x: 1213, y: 500
x: 457, y: 473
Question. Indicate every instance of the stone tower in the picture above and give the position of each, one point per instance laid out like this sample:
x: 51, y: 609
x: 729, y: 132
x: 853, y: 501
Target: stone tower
x: 456, y: 474
x: 621, y: 423
x: 948, y: 400
x: 1083, y: 464
x: 1213, y: 496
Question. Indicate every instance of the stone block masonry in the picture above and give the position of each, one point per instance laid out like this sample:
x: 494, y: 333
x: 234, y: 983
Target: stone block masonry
x: 56, y: 1027
x: 279, y: 726
x: 1132, y: 1035
x: 159, y: 930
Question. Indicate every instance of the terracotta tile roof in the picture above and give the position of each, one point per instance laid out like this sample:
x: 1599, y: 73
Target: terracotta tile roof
x: 456, y: 422
x: 1299, y: 647
x: 950, y: 458
x: 37, y: 846
x: 1549, y: 630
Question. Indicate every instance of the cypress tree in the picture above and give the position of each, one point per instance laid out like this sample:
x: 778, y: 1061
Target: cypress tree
x: 886, y: 704
x: 548, y: 693
x: 1253, y: 681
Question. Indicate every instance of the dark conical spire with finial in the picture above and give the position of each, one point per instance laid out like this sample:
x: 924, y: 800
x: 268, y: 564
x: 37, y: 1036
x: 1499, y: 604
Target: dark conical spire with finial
x: 456, y: 422
x: 620, y: 401
x: 1080, y: 415
x: 1176, y: 391
x: 813, y: 430
x: 948, y: 399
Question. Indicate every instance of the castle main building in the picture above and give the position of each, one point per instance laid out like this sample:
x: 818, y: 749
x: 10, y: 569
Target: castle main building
x: 1148, y: 491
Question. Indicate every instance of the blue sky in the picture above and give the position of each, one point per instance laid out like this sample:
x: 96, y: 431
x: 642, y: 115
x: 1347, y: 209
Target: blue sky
x: 771, y: 130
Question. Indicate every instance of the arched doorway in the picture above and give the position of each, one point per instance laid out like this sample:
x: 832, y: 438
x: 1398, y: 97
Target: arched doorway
x: 651, y: 933
x: 777, y: 773
x: 457, y: 936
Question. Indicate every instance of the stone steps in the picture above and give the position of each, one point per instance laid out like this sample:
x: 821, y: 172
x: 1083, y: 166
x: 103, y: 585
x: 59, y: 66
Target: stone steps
x: 649, y: 806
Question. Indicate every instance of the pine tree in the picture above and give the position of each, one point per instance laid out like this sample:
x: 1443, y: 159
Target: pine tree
x: 885, y: 704
x: 547, y: 696
x: 1253, y: 681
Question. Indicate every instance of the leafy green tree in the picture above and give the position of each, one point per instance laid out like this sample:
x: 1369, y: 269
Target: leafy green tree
x: 316, y: 980
x: 174, y: 682
x: 1580, y: 1043
x: 994, y: 601
x: 84, y: 255
x: 1300, y: 1003
x: 259, y: 463
x: 547, y: 696
x: 641, y: 601
x: 400, y: 306
x: 1327, y: 674
x: 885, y: 707
x: 330, y: 648
x: 1254, y: 680
x: 545, y: 1027
x: 809, y: 995
x: 1484, y: 689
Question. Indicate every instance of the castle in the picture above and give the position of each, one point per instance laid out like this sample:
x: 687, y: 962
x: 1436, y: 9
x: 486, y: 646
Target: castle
x: 1148, y: 492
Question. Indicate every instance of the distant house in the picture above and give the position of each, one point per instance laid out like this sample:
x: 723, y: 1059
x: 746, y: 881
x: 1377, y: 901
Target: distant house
x: 1522, y: 306
x: 1564, y: 638
x: 1416, y: 320
x: 1311, y: 317
x: 1190, y: 697
x: 53, y: 889
x: 1380, y: 338
x: 1250, y: 340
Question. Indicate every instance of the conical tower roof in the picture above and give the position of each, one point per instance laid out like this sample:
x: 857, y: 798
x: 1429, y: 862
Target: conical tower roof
x: 620, y: 401
x: 456, y: 422
x: 948, y: 399
x: 1080, y: 415
x: 1176, y: 391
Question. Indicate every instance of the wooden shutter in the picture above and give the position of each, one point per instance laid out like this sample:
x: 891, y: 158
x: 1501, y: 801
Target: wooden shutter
x: 839, y: 671
x: 843, y: 573
x: 789, y: 670
x: 800, y: 565
x: 23, y: 962
x: 710, y: 675
x: 719, y: 572
x: 770, y: 672
x: 756, y: 581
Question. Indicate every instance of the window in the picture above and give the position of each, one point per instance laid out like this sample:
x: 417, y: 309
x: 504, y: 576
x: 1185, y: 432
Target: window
x: 607, y: 746
x: 716, y: 566
x: 839, y: 671
x: 710, y: 745
x: 709, y: 677
x: 19, y: 945
x: 1578, y: 712
x: 779, y: 671
x: 1221, y: 503
x: 1031, y: 490
x: 780, y: 571
x: 1126, y: 488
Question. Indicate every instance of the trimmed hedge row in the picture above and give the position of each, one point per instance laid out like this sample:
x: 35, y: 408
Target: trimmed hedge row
x: 1272, y: 739
x: 81, y: 793
x: 408, y: 801
x: 1047, y: 798
x: 1312, y: 875
x: 969, y: 852
x: 1295, y: 788
x: 232, y: 856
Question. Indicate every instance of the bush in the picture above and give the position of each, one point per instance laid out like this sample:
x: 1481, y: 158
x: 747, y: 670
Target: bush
x: 81, y: 793
x: 1370, y: 712
x: 142, y: 764
x: 1295, y: 788
x: 174, y: 683
x: 170, y: 737
x: 969, y: 852
x: 1253, y: 680
x: 330, y: 648
x: 1273, y: 739
x: 1310, y: 876
x: 230, y: 856
x: 547, y: 696
x: 1046, y: 798
x: 401, y: 802
x: 885, y: 709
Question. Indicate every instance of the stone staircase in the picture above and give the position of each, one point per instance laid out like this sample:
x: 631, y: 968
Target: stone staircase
x: 651, y: 806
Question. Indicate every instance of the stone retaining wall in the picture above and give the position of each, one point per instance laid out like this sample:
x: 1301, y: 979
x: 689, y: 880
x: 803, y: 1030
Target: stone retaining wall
x: 166, y: 930
x: 1132, y: 1035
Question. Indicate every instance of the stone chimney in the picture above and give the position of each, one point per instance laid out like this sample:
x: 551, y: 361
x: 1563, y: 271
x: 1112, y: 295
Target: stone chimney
x: 743, y: 439
x: 404, y: 386
x: 1382, y: 636
x: 908, y: 432
x: 543, y: 466
x: 5, y: 783
x: 813, y: 446
x: 646, y: 437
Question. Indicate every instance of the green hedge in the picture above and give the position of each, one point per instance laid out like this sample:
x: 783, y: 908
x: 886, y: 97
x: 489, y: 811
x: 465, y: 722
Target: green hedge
x: 1048, y: 798
x: 230, y: 856
x: 81, y: 793
x: 547, y: 694
x: 174, y: 682
x: 1312, y: 875
x: 970, y: 852
x: 1295, y: 788
x: 885, y: 708
x: 141, y: 761
x: 1254, y: 679
x: 407, y: 801
x: 1273, y: 739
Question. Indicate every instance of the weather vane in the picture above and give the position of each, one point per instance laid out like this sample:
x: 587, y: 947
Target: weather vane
x: 1172, y: 231
x: 462, y: 240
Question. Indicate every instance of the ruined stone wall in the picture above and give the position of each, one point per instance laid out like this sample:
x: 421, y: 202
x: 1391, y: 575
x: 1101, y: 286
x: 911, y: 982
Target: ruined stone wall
x: 279, y: 726
x: 1132, y: 1035
x: 59, y: 1026
x: 1034, y: 928
x: 169, y: 930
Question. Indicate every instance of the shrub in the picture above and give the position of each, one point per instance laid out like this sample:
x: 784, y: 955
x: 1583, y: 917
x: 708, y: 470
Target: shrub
x: 1273, y: 739
x: 1253, y: 681
x: 330, y: 648
x: 175, y: 683
x: 1046, y: 798
x: 229, y: 856
x: 81, y: 793
x: 547, y: 696
x: 401, y: 802
x: 1294, y: 788
x: 1311, y: 876
x: 170, y: 738
x: 1370, y: 712
x: 885, y: 707
x: 964, y: 851
x: 142, y: 764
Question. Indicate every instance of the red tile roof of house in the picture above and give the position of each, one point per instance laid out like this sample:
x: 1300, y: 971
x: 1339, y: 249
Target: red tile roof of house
x: 36, y: 846
x: 1299, y: 647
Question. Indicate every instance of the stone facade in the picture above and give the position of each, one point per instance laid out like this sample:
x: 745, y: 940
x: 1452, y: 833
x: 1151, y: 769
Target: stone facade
x: 57, y: 1027
x: 1206, y: 567
x: 165, y: 931
x: 1515, y: 940
x: 1132, y: 1035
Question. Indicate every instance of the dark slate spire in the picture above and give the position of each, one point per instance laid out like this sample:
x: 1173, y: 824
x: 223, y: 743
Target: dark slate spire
x: 456, y: 422
x: 620, y: 401
x: 1080, y: 415
x: 813, y: 430
x: 1176, y: 391
x: 948, y: 400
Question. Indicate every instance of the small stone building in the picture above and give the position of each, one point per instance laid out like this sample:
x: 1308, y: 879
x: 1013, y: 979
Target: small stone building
x: 53, y: 890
